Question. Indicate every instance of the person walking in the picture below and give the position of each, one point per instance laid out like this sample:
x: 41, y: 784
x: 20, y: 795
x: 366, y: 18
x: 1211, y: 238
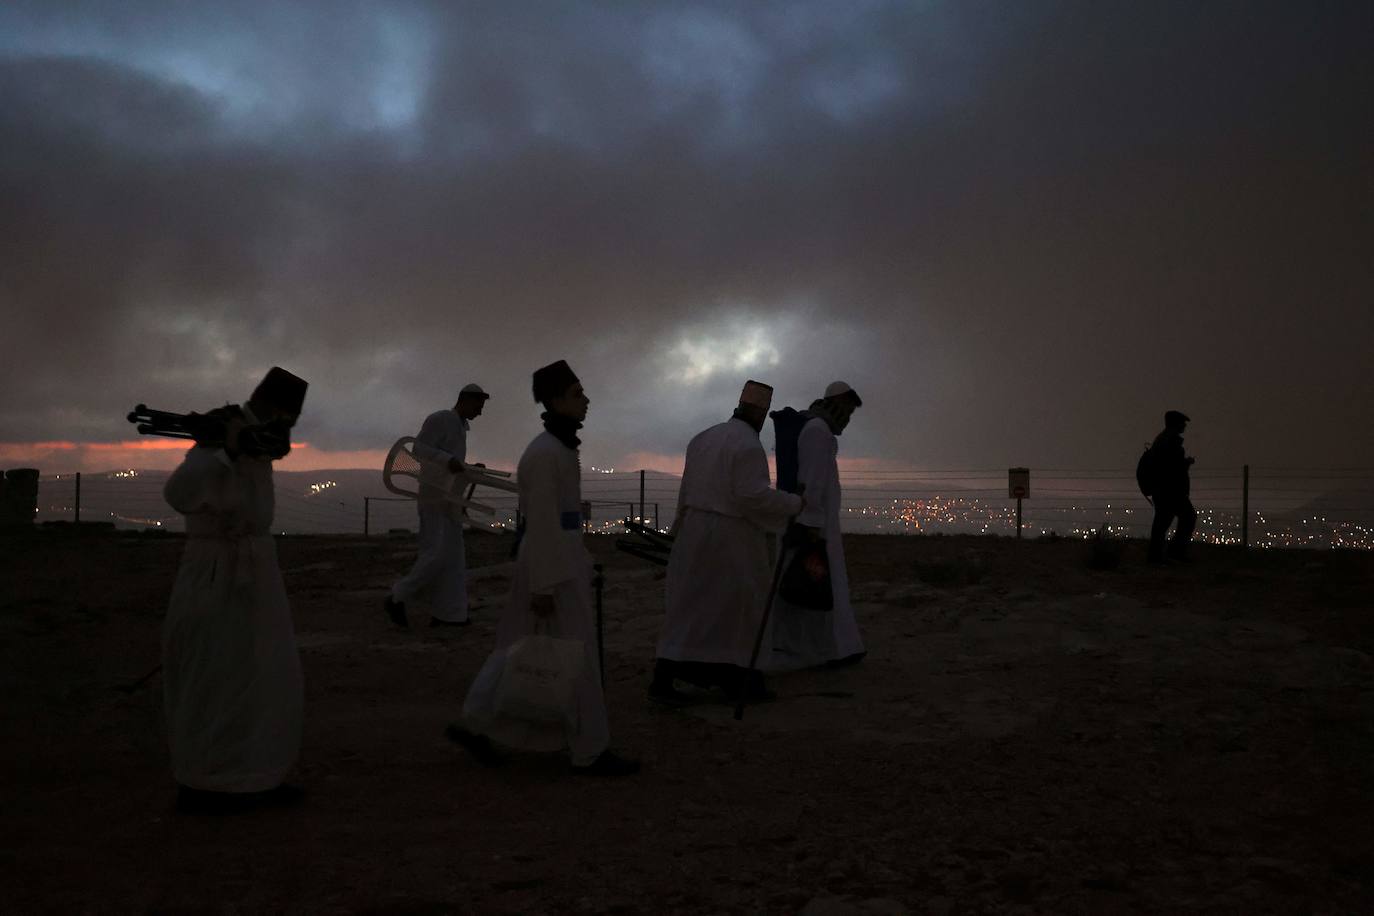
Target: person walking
x: 551, y: 593
x: 440, y: 570
x: 719, y: 571
x: 1170, y: 465
x: 804, y: 637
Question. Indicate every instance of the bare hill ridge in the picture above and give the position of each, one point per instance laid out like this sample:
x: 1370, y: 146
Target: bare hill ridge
x: 1027, y: 734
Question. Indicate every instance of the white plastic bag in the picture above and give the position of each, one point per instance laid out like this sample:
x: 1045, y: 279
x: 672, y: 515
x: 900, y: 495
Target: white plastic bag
x: 540, y: 678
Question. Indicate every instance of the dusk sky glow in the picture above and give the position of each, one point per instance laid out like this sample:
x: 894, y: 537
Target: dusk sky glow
x: 1022, y: 231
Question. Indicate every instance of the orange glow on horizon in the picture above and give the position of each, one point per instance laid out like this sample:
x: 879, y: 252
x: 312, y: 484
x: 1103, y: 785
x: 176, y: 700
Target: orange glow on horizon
x: 150, y: 454
x: 12, y: 449
x: 157, y: 454
x: 305, y: 458
x: 652, y: 461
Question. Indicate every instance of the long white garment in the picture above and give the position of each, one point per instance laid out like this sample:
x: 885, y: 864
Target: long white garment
x: 442, y: 437
x: 439, y: 576
x: 803, y: 638
x: 552, y: 561
x: 719, y: 571
x: 231, y: 671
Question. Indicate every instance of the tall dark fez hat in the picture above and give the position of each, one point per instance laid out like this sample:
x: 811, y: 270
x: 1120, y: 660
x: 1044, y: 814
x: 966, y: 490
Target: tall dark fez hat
x: 283, y: 389
x: 553, y: 380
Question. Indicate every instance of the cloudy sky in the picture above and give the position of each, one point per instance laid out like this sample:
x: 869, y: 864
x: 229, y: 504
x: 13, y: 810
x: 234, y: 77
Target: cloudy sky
x: 1022, y: 230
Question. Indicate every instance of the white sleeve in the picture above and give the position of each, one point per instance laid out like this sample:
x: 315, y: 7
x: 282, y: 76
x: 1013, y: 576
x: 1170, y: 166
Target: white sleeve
x: 197, y: 485
x: 427, y: 441
x: 753, y: 492
x: 813, y: 473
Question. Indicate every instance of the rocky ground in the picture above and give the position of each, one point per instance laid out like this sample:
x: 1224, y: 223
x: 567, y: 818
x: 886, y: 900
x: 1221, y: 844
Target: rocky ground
x: 1028, y: 734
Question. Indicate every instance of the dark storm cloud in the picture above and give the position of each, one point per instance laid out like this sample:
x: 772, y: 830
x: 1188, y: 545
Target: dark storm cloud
x: 1022, y: 230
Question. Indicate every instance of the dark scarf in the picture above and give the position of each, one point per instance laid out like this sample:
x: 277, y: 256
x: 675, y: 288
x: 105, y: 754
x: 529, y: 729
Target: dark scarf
x: 739, y: 415
x: 823, y: 409
x: 564, y: 429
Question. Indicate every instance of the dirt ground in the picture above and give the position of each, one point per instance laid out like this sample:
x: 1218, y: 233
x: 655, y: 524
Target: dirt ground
x: 1027, y: 735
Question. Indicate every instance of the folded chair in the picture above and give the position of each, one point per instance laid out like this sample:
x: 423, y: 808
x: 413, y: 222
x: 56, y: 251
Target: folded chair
x: 401, y: 475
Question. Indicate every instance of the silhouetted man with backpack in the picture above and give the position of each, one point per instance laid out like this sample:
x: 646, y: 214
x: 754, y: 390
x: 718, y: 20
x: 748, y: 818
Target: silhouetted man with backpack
x: 1168, y: 477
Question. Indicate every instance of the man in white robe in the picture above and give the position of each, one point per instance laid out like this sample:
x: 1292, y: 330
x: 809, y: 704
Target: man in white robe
x: 232, y: 675
x: 440, y: 570
x: 805, y: 638
x: 551, y: 593
x: 719, y: 572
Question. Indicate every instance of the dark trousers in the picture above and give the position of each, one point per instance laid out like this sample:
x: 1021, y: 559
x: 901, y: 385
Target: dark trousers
x: 1167, y: 508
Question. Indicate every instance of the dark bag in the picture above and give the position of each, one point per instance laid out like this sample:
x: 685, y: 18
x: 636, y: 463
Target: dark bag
x: 787, y: 427
x: 1147, y: 472
x: 806, y: 580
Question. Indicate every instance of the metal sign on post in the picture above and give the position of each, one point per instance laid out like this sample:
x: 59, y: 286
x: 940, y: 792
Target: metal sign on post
x: 1018, y: 488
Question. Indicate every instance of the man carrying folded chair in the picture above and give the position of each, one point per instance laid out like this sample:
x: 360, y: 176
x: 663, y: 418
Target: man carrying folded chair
x: 440, y: 570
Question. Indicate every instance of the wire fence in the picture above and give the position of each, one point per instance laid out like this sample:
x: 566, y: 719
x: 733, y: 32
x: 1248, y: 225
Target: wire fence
x: 1263, y: 507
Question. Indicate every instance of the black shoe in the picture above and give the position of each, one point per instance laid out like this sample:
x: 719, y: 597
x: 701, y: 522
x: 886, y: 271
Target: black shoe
x: 668, y: 695
x: 214, y: 804
x: 396, y: 610
x: 436, y: 622
x: 283, y: 796
x: 846, y: 661
x: 479, y: 746
x: 609, y: 765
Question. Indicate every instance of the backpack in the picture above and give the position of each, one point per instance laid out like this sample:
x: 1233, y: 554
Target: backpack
x: 1147, y: 472
x: 787, y: 427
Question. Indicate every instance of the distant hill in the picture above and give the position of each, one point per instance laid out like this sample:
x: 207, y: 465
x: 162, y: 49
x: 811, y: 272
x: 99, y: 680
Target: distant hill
x: 1349, y: 501
x: 326, y: 502
x: 308, y: 502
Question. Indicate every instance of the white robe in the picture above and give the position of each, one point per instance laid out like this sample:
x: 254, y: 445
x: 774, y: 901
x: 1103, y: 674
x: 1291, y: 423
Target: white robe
x: 231, y: 671
x: 719, y: 571
x: 552, y: 561
x: 804, y: 638
x: 439, y: 576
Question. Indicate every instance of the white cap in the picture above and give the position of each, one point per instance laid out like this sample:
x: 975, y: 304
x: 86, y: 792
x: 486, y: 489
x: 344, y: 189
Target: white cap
x: 835, y: 389
x: 757, y: 394
x: 474, y: 389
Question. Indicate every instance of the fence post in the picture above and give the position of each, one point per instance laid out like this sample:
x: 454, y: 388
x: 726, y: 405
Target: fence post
x: 641, y: 497
x: 629, y: 516
x: 1018, y: 518
x: 367, y: 516
x: 1245, y: 507
x: 77, y: 518
x: 656, y: 524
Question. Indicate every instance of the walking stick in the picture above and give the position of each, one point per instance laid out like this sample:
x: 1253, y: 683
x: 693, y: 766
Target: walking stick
x: 763, y: 624
x: 599, y: 582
